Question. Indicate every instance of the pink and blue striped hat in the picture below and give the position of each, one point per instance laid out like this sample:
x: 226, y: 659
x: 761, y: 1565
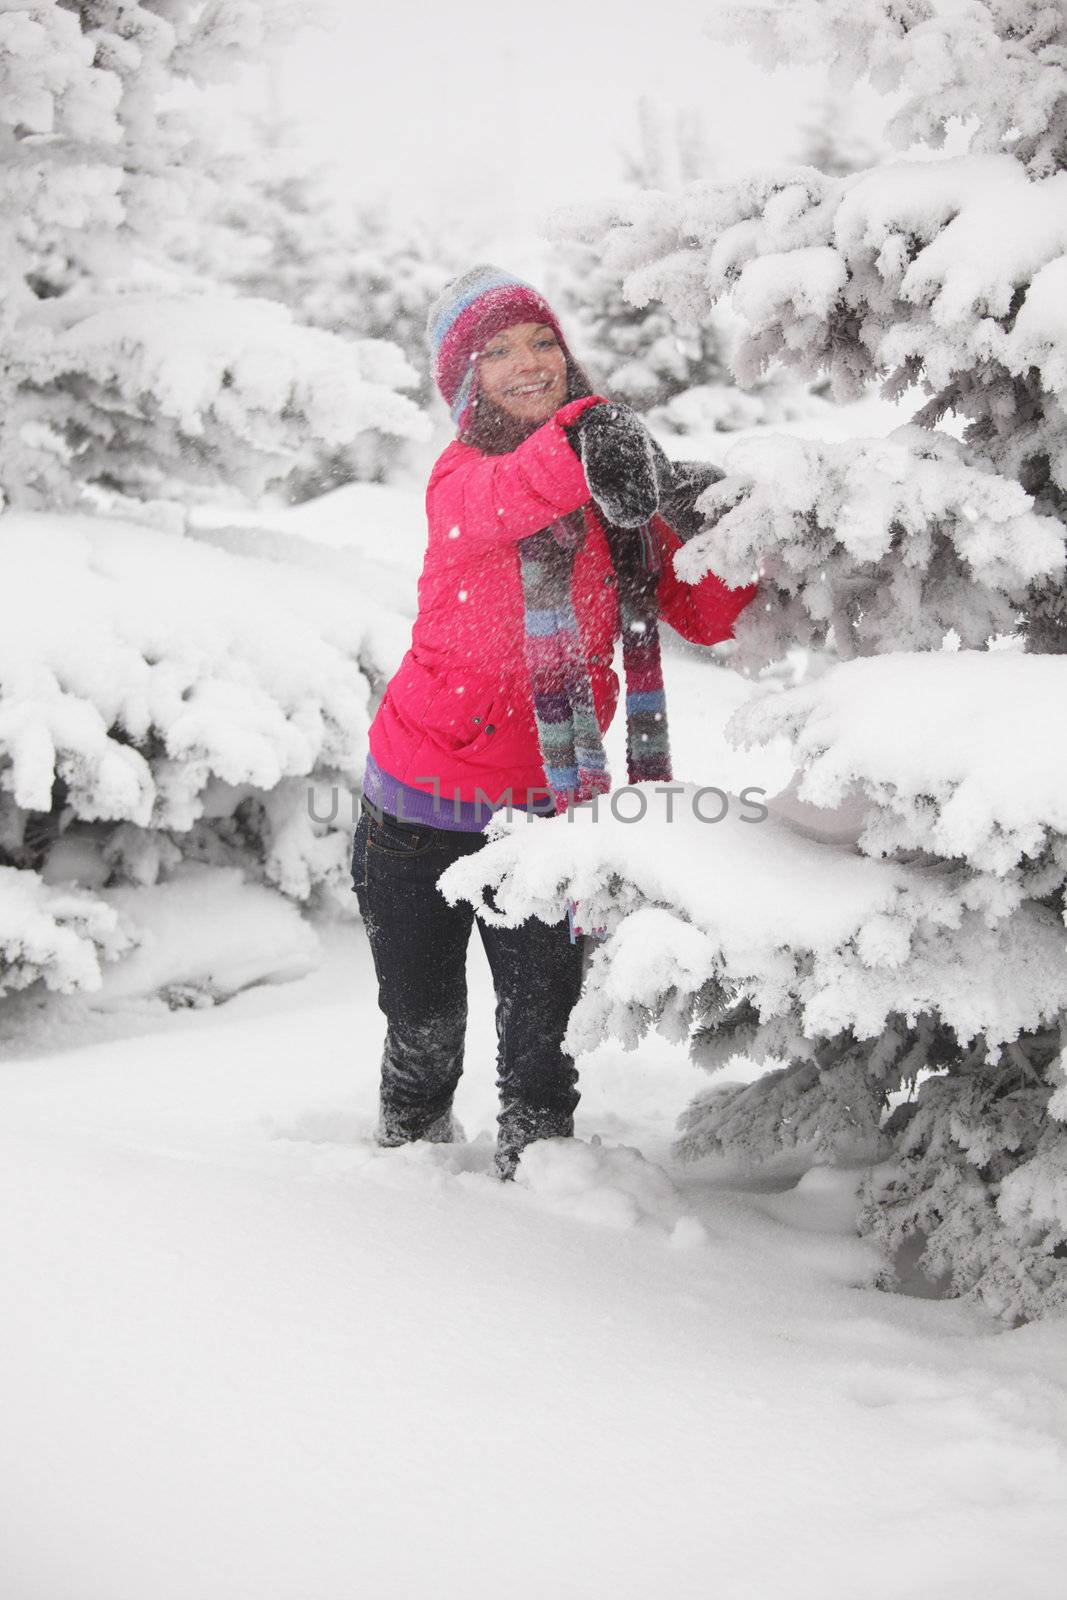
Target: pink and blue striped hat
x: 467, y: 313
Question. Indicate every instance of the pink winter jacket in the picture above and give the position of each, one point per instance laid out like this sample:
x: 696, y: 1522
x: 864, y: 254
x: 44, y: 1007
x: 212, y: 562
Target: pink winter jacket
x: 459, y: 708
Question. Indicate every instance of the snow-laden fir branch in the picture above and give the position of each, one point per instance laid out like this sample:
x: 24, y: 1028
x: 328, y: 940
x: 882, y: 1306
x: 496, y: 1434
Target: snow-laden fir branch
x: 825, y: 938
x: 955, y: 750
x: 871, y: 544
x: 57, y: 935
x: 940, y: 63
x: 176, y: 699
x: 157, y: 393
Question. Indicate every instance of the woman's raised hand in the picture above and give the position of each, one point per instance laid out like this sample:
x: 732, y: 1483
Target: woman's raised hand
x: 619, y: 457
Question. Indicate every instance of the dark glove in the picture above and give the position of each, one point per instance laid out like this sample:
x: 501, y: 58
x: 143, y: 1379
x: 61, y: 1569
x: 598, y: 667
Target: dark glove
x: 617, y: 453
x: 686, y: 483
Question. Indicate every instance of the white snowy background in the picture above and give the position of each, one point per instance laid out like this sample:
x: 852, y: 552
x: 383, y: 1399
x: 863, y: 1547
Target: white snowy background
x: 247, y: 1353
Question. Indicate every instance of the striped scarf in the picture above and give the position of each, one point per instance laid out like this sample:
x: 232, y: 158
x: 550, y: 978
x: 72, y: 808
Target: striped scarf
x: 567, y: 728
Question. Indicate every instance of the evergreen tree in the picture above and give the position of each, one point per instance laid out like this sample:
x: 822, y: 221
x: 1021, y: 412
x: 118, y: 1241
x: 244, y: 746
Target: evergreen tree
x: 123, y: 374
x: 671, y: 363
x: 925, y: 969
x: 163, y: 697
x: 279, y: 232
x: 642, y: 354
x: 832, y: 139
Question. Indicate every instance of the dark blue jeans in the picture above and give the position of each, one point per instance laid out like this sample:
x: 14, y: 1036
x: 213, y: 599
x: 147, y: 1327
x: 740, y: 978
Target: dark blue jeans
x: 419, y: 945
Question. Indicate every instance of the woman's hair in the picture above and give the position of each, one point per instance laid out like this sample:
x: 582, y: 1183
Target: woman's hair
x: 494, y: 431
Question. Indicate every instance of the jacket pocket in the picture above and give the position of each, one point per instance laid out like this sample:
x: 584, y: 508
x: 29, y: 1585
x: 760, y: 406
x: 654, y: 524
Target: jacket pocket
x: 463, y: 719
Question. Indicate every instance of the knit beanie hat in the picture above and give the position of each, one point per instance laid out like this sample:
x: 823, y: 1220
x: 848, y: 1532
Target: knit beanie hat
x: 466, y: 314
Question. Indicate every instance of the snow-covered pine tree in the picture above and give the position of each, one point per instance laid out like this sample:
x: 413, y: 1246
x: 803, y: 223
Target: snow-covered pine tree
x: 833, y: 138
x: 123, y: 374
x: 352, y: 268
x: 160, y: 699
x: 641, y: 353
x: 395, y: 270
x: 673, y: 368
x: 925, y: 574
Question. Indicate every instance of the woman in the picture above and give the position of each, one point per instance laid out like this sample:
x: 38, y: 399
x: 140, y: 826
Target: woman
x: 544, y: 543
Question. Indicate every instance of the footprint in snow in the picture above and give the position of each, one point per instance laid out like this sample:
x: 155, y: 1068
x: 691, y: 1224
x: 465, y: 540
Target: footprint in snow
x: 613, y: 1185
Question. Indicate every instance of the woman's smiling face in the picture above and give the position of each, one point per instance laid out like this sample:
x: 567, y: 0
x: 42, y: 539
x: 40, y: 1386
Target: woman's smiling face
x: 523, y: 371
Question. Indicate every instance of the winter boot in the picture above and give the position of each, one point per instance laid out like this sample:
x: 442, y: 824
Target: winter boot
x: 446, y: 1130
x: 520, y: 1125
x: 394, y: 1130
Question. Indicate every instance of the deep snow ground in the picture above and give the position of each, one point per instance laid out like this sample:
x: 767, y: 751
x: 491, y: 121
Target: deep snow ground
x: 249, y: 1355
